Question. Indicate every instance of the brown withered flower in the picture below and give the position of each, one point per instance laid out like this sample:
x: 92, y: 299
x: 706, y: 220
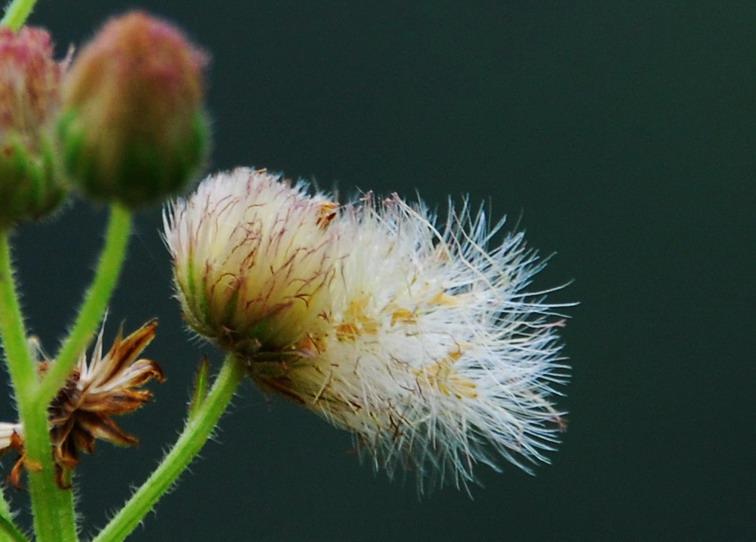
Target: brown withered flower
x: 11, y: 439
x: 97, y: 390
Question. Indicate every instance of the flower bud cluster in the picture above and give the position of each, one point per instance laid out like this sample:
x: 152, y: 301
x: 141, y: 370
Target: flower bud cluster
x: 124, y: 124
x: 420, y: 340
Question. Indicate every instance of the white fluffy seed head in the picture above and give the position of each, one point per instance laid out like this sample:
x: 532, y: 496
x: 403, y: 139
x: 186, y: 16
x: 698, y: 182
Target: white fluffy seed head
x: 253, y: 259
x: 422, y: 341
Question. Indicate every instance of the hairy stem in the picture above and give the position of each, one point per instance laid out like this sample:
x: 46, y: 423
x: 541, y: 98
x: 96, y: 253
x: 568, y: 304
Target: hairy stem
x: 54, y: 518
x: 199, y: 427
x: 11, y: 532
x: 95, y: 303
x: 17, y: 12
x: 6, y: 515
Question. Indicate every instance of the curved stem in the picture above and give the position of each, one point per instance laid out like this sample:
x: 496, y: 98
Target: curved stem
x: 94, y: 306
x: 197, y: 430
x: 17, y: 12
x: 52, y: 507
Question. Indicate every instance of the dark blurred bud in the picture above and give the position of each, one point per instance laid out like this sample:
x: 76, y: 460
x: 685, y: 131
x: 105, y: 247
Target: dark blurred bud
x: 29, y: 99
x: 134, y: 129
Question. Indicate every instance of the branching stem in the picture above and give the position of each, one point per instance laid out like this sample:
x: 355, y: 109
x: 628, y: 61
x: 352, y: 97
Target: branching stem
x: 95, y: 303
x: 54, y: 518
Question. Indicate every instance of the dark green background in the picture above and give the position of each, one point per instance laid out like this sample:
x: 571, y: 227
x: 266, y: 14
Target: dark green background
x: 620, y: 135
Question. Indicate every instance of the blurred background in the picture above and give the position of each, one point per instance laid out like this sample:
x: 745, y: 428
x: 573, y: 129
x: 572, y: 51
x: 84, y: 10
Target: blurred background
x: 618, y: 135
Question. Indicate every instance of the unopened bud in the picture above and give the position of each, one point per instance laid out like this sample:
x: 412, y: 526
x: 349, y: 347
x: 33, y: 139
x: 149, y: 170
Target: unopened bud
x: 29, y: 99
x: 134, y: 129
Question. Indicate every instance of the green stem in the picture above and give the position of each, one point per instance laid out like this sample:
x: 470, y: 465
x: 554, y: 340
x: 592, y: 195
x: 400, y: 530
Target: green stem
x: 11, y: 532
x: 17, y: 355
x: 94, y: 306
x: 6, y: 516
x: 197, y: 430
x: 53, y: 511
x: 17, y: 12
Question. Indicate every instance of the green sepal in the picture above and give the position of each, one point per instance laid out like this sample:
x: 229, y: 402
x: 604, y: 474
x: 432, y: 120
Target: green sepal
x: 30, y: 183
x: 199, y: 394
x: 136, y: 170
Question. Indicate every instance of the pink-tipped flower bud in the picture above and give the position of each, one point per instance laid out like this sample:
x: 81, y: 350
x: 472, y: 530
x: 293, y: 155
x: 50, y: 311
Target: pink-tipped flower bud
x: 134, y: 129
x: 29, y: 99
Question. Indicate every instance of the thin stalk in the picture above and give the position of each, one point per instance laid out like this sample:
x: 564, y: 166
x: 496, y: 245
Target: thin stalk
x: 197, y: 430
x: 95, y: 303
x: 11, y: 532
x: 12, y: 330
x: 17, y: 12
x: 6, y: 516
x: 54, y: 518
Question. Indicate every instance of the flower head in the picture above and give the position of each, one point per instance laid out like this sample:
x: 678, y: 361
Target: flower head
x: 105, y: 386
x: 253, y: 260
x: 422, y: 341
x: 29, y: 99
x: 134, y: 129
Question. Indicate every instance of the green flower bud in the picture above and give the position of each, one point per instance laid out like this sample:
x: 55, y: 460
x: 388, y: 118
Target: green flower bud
x: 29, y: 100
x: 134, y: 129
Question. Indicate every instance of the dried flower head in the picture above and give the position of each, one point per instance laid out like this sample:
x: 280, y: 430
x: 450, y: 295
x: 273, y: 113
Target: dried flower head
x: 11, y: 439
x: 253, y: 260
x: 423, y: 342
x: 105, y: 386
